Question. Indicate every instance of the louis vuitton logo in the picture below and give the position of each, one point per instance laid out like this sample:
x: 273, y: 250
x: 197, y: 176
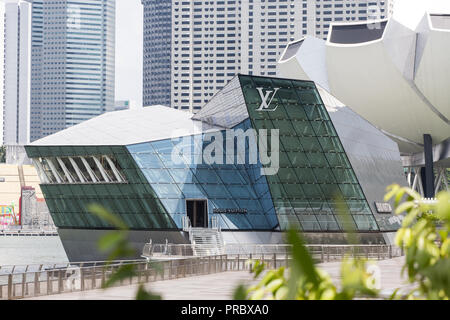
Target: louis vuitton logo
x: 267, y: 99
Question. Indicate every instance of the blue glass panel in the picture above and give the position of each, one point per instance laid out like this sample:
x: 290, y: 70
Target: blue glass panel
x: 147, y: 160
x: 174, y: 205
x: 182, y: 175
x: 216, y: 191
x: 192, y: 190
x: 241, y: 191
x: 163, y: 146
x: 230, y: 176
x: 206, y: 176
x: 157, y: 175
x: 223, y: 203
x: 167, y: 191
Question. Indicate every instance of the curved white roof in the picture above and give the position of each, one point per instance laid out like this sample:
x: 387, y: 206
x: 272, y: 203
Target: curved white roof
x: 394, y: 76
x: 128, y: 127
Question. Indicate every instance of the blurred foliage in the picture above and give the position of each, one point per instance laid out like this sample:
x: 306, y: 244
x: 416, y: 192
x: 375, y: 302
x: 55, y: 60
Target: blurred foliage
x: 2, y: 154
x: 116, y: 245
x: 307, y: 282
x: 425, y: 237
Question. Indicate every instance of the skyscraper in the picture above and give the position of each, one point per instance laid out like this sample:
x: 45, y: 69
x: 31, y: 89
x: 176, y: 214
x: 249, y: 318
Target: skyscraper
x: 73, y: 62
x: 37, y: 26
x: 157, y: 52
x: 213, y: 40
x: 15, y: 32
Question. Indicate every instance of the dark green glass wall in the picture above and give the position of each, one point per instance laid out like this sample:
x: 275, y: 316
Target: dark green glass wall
x: 314, y: 169
x: 135, y: 201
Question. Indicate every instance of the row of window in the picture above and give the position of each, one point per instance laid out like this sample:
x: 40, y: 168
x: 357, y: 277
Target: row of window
x: 93, y: 169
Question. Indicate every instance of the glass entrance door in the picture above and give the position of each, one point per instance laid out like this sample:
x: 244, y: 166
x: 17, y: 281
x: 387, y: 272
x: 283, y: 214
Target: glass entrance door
x: 197, y: 213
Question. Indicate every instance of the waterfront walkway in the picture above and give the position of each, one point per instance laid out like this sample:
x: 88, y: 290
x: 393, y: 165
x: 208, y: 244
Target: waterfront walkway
x: 221, y: 286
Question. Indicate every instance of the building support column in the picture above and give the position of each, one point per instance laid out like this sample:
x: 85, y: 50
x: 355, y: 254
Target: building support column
x: 427, y: 171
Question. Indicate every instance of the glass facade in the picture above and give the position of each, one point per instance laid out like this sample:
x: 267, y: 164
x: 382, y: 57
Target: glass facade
x: 314, y: 169
x: 157, y: 52
x: 134, y: 200
x: 73, y: 62
x: 154, y: 179
x: 227, y: 187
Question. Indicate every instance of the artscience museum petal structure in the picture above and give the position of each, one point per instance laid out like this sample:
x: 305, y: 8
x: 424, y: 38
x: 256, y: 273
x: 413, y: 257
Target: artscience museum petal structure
x: 394, y: 73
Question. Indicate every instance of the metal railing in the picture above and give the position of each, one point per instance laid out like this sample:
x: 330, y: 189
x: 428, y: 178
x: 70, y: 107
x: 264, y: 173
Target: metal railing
x: 215, y: 224
x: 18, y: 282
x: 186, y: 224
x: 27, y: 233
x: 321, y: 253
x: 82, y: 278
x: 16, y: 269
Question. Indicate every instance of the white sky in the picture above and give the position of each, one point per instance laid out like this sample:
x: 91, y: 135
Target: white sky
x: 129, y: 33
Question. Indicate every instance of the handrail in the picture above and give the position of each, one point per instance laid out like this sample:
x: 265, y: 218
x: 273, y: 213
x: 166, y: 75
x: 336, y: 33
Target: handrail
x: 323, y: 252
x: 186, y: 224
x: 39, y: 283
x: 51, y: 266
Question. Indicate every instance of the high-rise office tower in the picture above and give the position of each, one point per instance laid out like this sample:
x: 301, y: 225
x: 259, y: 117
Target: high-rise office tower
x: 157, y: 52
x: 37, y: 26
x: 213, y: 40
x: 15, y: 34
x: 73, y: 62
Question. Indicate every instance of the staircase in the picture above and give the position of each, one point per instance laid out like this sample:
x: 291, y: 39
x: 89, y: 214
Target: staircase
x: 206, y: 242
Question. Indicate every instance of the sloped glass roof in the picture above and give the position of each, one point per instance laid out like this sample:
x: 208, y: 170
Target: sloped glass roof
x: 227, y: 108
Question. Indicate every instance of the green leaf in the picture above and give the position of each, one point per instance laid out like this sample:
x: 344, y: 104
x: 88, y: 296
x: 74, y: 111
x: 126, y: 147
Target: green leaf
x: 282, y: 293
x: 443, y: 206
x: 399, y: 196
x: 405, y: 206
x: 240, y: 293
x: 391, y: 191
x: 124, y: 272
x: 274, y: 285
x: 393, y: 296
x: 107, y: 216
x: 303, y: 264
x: 110, y: 240
x: 258, y: 267
x: 143, y: 294
x: 258, y: 294
x: 269, y: 276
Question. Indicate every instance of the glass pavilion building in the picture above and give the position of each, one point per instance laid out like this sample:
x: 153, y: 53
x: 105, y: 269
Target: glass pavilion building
x: 148, y: 166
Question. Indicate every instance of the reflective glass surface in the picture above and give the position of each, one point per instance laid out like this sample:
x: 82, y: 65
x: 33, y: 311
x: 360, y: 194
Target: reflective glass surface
x: 177, y: 172
x: 134, y: 201
x: 314, y: 169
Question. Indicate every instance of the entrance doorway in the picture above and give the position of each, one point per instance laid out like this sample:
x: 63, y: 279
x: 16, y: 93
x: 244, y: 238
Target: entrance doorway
x: 197, y: 213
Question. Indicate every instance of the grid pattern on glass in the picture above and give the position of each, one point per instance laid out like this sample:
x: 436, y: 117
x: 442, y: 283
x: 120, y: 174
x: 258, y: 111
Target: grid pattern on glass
x: 134, y: 201
x: 225, y: 186
x: 314, y: 169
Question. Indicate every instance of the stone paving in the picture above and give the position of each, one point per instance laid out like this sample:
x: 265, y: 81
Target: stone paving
x: 221, y: 286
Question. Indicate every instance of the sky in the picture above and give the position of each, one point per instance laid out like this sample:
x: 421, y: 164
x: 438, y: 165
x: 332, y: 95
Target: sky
x: 129, y: 29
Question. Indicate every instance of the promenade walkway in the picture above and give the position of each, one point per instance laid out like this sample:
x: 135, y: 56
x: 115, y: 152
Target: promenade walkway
x: 221, y: 285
